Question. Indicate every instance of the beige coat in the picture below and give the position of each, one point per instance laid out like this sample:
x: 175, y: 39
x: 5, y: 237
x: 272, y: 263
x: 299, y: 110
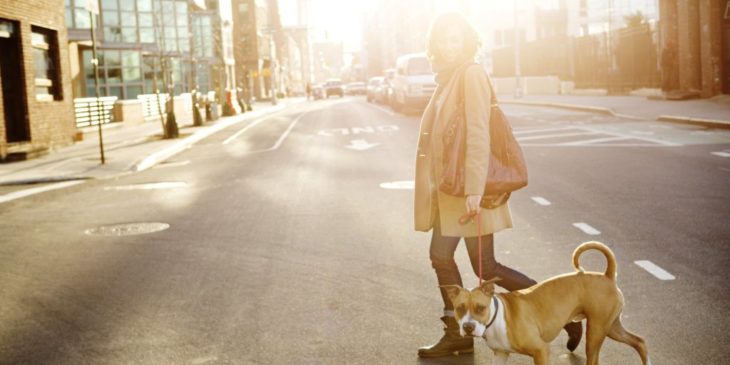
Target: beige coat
x: 429, y: 201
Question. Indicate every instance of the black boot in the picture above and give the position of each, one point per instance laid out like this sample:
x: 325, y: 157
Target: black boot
x: 450, y: 344
x: 575, y: 332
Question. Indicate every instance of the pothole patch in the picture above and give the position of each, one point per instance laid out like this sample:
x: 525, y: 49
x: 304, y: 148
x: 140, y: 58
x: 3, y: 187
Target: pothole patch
x: 149, y: 186
x: 398, y: 185
x: 127, y: 229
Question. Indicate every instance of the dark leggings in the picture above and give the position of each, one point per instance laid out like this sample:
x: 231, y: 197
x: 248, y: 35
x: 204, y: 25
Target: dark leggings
x: 442, y: 259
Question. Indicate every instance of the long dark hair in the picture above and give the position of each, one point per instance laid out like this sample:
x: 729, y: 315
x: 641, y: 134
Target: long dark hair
x: 447, y: 21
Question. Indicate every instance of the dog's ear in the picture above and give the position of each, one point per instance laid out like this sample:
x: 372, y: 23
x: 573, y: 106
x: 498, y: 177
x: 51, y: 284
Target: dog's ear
x: 452, y: 291
x: 487, y: 286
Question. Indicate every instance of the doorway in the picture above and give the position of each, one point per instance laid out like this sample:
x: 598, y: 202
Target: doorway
x: 726, y: 48
x: 13, y: 83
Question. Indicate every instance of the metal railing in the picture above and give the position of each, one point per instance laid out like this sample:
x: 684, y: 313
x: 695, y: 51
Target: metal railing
x: 89, y: 112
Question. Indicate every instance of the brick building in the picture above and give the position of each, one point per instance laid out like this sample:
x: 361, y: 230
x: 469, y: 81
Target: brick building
x: 695, y: 45
x: 36, y: 102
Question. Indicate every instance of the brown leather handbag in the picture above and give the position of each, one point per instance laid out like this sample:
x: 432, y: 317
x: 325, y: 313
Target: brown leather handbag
x: 507, y: 168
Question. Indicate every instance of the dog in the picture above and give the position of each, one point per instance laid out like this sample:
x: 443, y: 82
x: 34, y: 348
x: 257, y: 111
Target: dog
x: 526, y: 321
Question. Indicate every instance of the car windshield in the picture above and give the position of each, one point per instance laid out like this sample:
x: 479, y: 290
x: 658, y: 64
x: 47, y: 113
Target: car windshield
x: 419, y: 66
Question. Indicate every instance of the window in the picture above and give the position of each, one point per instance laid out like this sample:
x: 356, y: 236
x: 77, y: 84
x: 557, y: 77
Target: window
x: 76, y: 14
x: 44, y: 43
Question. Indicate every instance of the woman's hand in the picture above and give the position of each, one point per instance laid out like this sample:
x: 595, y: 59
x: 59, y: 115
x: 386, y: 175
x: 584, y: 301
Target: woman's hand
x: 472, y: 203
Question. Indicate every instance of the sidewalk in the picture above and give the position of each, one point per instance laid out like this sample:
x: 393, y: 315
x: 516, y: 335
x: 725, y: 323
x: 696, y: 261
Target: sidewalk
x: 128, y: 148
x: 714, y: 112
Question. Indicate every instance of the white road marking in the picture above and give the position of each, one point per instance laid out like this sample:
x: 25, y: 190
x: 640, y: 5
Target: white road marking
x: 528, y: 138
x: 360, y: 145
x: 399, y: 185
x: 243, y: 130
x: 28, y: 192
x: 587, y: 229
x: 721, y: 154
x: 149, y: 186
x: 540, y: 200
x: 286, y: 133
x: 536, y: 130
x: 390, y: 112
x: 655, y: 270
x: 593, y: 141
x: 646, y: 133
x: 665, y: 143
x: 328, y: 132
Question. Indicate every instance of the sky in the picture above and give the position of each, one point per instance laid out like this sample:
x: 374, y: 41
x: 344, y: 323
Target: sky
x: 336, y: 20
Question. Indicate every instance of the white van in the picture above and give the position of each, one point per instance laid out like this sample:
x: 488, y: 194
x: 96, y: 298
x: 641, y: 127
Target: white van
x: 413, y: 83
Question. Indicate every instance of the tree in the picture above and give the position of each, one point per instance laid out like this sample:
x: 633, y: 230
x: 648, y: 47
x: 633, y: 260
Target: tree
x: 169, y: 122
x: 635, y: 20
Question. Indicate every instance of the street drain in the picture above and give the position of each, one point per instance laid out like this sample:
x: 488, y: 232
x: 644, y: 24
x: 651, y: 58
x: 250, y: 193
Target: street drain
x: 127, y: 229
x: 149, y: 186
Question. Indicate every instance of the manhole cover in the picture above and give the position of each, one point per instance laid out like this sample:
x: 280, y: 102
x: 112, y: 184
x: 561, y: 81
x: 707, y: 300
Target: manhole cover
x: 400, y: 185
x: 128, y: 229
x: 149, y: 186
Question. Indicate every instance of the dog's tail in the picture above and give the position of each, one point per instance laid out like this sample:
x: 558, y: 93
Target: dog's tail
x: 594, y: 245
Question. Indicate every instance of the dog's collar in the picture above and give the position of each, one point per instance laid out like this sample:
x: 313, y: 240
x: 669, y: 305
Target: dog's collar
x: 496, y: 309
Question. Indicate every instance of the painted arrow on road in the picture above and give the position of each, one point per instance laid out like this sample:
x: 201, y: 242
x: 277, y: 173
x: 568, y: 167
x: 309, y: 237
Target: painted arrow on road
x: 360, y: 145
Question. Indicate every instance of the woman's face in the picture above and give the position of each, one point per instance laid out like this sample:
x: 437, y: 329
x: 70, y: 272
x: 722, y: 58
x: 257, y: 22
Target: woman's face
x: 451, y: 45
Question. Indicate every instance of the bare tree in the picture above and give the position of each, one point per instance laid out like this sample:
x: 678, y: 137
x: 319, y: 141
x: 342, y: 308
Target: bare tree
x: 169, y: 123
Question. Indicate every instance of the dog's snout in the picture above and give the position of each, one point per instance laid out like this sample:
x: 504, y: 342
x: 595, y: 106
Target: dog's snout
x: 468, y: 327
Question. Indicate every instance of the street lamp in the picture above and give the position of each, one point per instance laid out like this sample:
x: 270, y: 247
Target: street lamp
x: 518, y: 88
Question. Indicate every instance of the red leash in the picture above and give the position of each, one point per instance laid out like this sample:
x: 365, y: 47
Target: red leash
x: 479, y: 239
x: 464, y: 220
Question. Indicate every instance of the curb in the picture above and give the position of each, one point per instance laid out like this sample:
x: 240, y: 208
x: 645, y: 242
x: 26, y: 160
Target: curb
x: 585, y: 108
x: 167, y: 152
x: 713, y: 123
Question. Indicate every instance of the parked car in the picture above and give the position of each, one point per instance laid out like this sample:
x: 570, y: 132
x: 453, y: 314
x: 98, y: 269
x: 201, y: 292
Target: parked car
x: 373, y: 86
x: 355, y: 88
x: 317, y: 92
x: 333, y: 87
x: 413, y: 82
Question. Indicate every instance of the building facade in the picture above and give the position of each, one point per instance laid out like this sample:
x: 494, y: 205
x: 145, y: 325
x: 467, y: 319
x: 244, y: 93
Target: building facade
x: 145, y: 44
x: 36, y: 102
x: 695, y: 46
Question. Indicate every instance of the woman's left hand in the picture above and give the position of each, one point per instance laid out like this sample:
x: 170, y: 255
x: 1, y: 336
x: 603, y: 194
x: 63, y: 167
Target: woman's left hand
x: 472, y: 203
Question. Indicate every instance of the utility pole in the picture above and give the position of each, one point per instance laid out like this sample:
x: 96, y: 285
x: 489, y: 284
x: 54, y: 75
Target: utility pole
x: 93, y: 7
x: 609, y: 46
x: 516, y: 38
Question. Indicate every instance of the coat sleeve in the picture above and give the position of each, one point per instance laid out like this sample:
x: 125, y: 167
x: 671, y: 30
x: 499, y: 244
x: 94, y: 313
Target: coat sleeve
x: 477, y: 96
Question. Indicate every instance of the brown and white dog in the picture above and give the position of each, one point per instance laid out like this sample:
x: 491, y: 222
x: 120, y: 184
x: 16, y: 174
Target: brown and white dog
x: 526, y: 321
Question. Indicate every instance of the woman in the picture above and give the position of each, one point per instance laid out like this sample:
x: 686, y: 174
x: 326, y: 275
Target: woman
x: 452, y: 45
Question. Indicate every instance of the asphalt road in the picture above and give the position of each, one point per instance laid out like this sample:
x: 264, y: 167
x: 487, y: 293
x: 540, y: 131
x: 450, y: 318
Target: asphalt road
x: 284, y: 245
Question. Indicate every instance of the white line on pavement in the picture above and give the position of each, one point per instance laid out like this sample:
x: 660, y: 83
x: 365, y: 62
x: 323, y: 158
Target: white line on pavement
x: 593, y: 141
x: 655, y: 270
x: 537, y: 130
x: 721, y: 154
x: 27, y: 192
x: 540, y: 200
x: 244, y: 129
x: 390, y: 112
x: 587, y: 229
x: 181, y: 145
x: 520, y: 139
x: 286, y: 133
x: 654, y: 140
